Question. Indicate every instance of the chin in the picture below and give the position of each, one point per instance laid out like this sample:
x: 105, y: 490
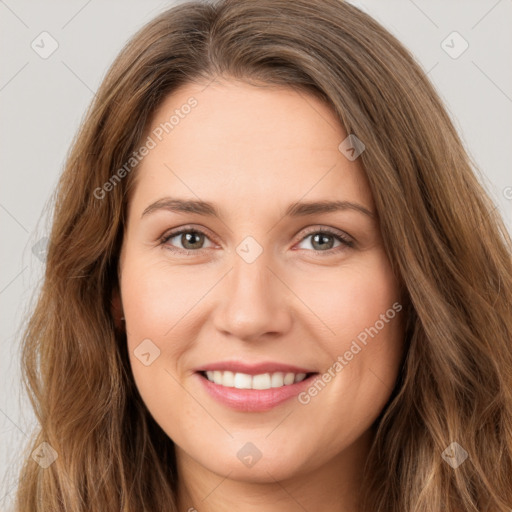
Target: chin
x: 242, y: 463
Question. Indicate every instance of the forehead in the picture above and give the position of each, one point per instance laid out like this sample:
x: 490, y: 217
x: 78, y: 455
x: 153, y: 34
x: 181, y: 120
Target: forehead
x: 232, y: 139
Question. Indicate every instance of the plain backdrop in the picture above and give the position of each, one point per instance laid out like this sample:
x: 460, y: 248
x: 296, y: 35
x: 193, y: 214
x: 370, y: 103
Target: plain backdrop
x: 43, y: 99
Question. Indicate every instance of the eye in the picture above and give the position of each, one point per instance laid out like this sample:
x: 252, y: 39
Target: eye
x: 324, y: 239
x: 192, y: 240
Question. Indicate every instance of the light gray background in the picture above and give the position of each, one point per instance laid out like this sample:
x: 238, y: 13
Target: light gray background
x: 42, y: 102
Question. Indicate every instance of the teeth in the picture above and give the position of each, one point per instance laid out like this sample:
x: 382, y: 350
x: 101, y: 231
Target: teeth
x: 260, y: 381
x: 289, y: 378
x: 242, y: 381
x: 277, y: 380
x: 228, y: 379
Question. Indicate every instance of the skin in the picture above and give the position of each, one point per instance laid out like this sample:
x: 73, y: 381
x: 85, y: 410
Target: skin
x: 252, y: 151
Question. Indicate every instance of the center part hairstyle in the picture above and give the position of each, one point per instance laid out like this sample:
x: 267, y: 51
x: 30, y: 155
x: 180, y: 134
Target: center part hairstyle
x: 446, y: 243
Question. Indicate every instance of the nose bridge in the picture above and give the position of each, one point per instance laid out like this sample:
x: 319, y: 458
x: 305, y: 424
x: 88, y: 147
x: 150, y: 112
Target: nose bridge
x: 250, y: 277
x: 252, y: 303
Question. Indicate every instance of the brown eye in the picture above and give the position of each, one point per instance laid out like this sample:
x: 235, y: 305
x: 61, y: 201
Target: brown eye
x: 190, y: 239
x: 324, y: 240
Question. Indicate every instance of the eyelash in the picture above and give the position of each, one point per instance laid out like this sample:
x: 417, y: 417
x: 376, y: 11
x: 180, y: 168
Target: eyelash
x: 345, y: 240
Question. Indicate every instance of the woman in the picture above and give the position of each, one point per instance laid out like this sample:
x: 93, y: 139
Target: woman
x: 196, y: 346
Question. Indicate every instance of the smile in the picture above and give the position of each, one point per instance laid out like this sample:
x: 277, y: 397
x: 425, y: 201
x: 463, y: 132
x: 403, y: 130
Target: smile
x: 253, y: 388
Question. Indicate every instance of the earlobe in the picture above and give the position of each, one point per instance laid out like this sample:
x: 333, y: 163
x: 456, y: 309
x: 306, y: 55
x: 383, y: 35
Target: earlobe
x: 117, y: 310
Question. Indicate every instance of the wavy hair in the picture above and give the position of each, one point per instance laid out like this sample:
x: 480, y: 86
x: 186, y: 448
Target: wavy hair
x: 445, y: 241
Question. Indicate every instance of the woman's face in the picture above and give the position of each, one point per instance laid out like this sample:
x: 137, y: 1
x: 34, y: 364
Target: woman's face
x: 290, y: 309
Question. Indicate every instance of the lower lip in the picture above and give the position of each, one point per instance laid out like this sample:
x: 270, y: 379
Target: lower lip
x: 254, y: 400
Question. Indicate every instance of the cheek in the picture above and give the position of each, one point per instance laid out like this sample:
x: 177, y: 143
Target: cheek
x: 152, y: 306
x: 156, y: 297
x: 351, y: 301
x: 364, y: 352
x: 155, y: 302
x: 365, y: 346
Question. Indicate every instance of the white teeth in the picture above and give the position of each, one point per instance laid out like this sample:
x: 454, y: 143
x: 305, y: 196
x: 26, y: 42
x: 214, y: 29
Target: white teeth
x: 228, y: 379
x: 277, y: 380
x: 260, y: 381
x: 242, y: 381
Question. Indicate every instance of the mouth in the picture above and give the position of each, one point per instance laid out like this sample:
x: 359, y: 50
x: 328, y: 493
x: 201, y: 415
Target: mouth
x: 254, y: 392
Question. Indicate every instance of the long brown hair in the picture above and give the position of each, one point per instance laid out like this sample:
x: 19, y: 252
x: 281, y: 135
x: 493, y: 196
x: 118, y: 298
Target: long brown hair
x: 443, y: 236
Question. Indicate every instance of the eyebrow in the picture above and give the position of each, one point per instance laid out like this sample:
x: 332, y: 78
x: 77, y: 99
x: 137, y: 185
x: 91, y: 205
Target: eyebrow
x: 298, y: 209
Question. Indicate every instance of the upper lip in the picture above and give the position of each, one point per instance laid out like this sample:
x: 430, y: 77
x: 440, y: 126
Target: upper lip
x: 253, y: 369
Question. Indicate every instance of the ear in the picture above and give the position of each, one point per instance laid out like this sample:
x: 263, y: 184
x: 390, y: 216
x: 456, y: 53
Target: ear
x: 117, y: 309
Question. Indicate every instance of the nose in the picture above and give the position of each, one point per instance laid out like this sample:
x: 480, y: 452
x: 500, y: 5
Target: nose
x: 255, y: 301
